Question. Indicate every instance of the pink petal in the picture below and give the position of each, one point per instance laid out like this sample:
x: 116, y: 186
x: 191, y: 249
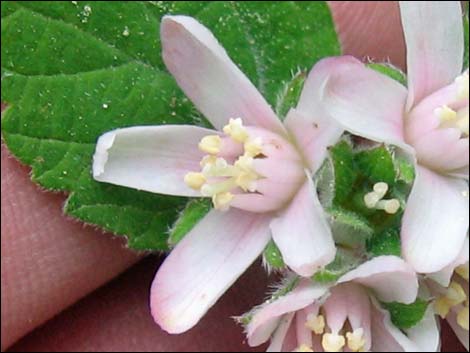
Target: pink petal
x: 442, y: 150
x: 435, y: 45
x: 424, y: 337
x: 209, y: 78
x: 279, y: 336
x: 260, y: 328
x: 444, y: 276
x: 303, y: 234
x: 391, y: 278
x: 435, y: 222
x: 366, y: 103
x: 460, y: 332
x: 150, y: 158
x: 312, y: 127
x: 204, y: 265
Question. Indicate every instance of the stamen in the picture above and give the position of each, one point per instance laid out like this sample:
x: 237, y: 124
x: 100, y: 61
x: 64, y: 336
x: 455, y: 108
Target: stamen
x: 216, y: 188
x: 462, y: 318
x: 236, y: 130
x: 462, y: 121
x: 253, y: 147
x: 195, y: 180
x: 208, y: 160
x: 462, y: 271
x: 332, y: 342
x: 445, y: 114
x: 442, y: 307
x: 462, y: 86
x: 222, y: 201
x: 303, y: 348
x: 356, y: 340
x: 316, y: 324
x: 374, y: 199
x: 456, y: 294
x: 390, y: 206
x: 210, y: 144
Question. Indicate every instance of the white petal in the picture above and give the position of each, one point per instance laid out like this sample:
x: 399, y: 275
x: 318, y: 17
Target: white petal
x: 204, y: 265
x: 435, y: 222
x: 150, y: 158
x: 303, y: 234
x: 260, y: 328
x: 209, y: 78
x: 435, y: 44
x: 391, y: 278
x: 312, y: 127
x: 366, y: 103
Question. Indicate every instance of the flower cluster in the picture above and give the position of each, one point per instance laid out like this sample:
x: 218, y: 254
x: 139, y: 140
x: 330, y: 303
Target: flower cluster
x: 260, y: 175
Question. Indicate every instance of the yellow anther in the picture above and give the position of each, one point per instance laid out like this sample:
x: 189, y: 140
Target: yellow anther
x: 236, y: 130
x: 462, y: 86
x: 356, y: 340
x: 195, y: 180
x: 247, y: 181
x: 442, y: 307
x: 456, y: 294
x: 208, y: 160
x: 462, y: 271
x: 332, y: 342
x: 304, y: 348
x: 222, y: 200
x: 445, y: 114
x: 462, y: 318
x: 316, y: 324
x: 463, y: 125
x: 253, y: 147
x: 210, y: 144
x: 390, y: 206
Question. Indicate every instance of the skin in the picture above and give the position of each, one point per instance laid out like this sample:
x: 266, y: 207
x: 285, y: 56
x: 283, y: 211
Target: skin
x: 49, y: 262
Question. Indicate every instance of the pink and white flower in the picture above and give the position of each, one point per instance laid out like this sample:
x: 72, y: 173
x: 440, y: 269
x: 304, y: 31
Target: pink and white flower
x: 450, y: 288
x: 429, y: 120
x: 257, y: 170
x: 347, y: 315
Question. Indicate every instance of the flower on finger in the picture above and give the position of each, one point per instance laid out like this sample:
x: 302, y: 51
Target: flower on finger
x: 429, y: 121
x: 346, y: 315
x: 256, y: 170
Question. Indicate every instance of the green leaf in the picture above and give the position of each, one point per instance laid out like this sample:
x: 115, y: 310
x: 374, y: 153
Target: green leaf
x: 349, y: 228
x: 377, y: 164
x: 290, y: 94
x: 194, y: 211
x: 390, y: 71
x: 344, y: 262
x: 273, y: 257
x: 385, y: 243
x: 345, y: 173
x: 406, y: 316
x: 74, y: 70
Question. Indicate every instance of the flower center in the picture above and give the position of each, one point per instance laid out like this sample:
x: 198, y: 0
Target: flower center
x: 333, y: 341
x: 456, y: 117
x: 246, y: 162
x: 455, y: 299
x: 375, y: 199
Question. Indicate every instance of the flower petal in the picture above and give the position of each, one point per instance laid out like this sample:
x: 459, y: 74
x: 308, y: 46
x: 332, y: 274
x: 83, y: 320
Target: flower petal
x: 312, y: 127
x: 204, y: 265
x: 303, y: 234
x: 460, y: 332
x: 150, y: 158
x: 424, y: 337
x: 434, y: 43
x: 279, y: 336
x: 366, y: 103
x: 260, y: 328
x: 209, y: 78
x: 435, y: 222
x: 391, y: 278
